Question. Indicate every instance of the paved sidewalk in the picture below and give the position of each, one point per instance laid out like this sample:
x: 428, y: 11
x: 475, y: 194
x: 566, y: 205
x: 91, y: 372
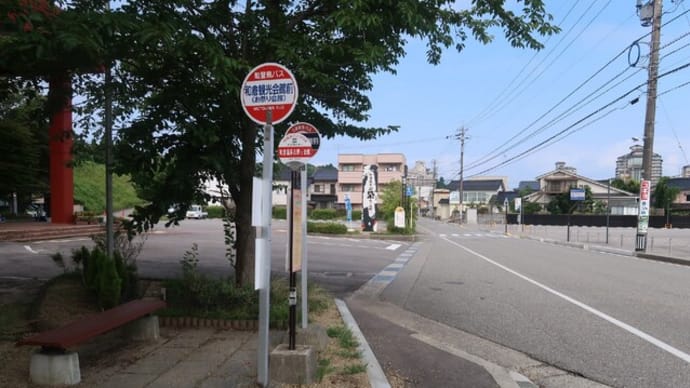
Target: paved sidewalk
x: 662, y: 244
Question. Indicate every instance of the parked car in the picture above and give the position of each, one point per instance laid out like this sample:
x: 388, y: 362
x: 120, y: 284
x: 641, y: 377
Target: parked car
x: 196, y: 212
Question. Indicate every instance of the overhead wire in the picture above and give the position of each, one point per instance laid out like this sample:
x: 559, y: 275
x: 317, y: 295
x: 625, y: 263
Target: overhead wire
x: 519, y: 89
x: 490, y: 106
x: 503, y: 148
x: 550, y: 140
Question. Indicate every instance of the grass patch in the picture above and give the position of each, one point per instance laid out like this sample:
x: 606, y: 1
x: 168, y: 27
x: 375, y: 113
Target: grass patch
x: 13, y: 320
x: 89, y: 188
x: 324, y: 368
x: 355, y: 369
x: 344, y: 336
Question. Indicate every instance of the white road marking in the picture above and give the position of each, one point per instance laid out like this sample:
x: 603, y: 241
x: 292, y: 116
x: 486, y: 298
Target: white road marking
x: 28, y: 248
x: 637, y: 332
x: 393, y: 247
x: 442, y: 235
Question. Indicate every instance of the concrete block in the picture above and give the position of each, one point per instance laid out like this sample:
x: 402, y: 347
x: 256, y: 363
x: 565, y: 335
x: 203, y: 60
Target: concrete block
x: 314, y: 335
x: 143, y: 329
x: 49, y: 368
x: 293, y: 366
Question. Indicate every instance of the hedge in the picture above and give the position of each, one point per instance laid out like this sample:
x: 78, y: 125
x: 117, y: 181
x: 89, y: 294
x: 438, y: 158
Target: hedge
x: 326, y: 227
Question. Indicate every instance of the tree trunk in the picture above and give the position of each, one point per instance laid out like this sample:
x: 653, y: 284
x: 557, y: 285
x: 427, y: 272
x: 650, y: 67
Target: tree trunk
x: 244, y: 268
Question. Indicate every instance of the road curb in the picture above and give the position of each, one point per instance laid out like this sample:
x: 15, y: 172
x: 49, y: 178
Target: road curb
x: 377, y: 378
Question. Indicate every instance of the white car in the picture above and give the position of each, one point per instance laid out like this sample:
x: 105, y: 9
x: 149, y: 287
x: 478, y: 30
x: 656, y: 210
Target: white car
x: 195, y: 211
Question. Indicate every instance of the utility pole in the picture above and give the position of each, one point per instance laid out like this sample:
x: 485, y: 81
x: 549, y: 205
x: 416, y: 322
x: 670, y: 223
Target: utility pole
x: 462, y: 136
x: 650, y: 115
x: 649, y: 12
x: 433, y: 189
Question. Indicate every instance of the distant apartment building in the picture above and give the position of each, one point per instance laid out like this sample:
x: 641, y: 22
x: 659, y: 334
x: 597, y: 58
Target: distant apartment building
x: 390, y: 167
x: 685, y: 172
x: 422, y: 180
x: 629, y: 166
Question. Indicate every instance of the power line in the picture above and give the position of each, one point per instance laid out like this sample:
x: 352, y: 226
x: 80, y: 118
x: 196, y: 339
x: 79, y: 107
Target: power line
x: 519, y: 88
x: 504, y: 147
x: 550, y: 140
x: 490, y: 106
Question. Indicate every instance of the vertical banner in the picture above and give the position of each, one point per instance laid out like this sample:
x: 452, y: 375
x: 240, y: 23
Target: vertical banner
x: 369, y: 197
x: 643, y: 218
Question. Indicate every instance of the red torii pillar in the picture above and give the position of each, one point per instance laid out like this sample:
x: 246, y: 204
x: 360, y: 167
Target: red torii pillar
x: 61, y: 203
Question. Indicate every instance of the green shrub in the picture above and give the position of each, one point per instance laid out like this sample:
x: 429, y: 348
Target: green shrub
x: 356, y: 215
x: 215, y: 211
x: 323, y: 214
x: 280, y: 212
x: 326, y: 227
x: 109, y: 284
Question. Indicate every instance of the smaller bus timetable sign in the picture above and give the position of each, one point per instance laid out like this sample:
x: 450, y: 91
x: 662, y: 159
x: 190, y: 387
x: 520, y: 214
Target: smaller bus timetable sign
x: 269, y: 87
x: 295, y: 149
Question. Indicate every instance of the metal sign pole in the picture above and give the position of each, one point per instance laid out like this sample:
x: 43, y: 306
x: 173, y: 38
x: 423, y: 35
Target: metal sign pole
x: 292, y: 298
x: 303, y: 272
x: 265, y: 230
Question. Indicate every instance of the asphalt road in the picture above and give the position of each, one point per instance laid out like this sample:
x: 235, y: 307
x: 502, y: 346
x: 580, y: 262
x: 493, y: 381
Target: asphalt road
x: 341, y: 265
x: 614, y: 319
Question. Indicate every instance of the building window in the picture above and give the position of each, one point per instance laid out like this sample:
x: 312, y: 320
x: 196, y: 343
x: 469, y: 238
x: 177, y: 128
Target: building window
x: 332, y: 189
x: 317, y: 188
x: 347, y: 188
x: 390, y: 167
x: 687, y: 198
x: 348, y: 167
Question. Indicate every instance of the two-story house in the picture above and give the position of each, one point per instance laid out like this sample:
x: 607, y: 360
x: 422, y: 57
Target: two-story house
x: 390, y: 167
x: 563, y: 178
x: 323, y: 188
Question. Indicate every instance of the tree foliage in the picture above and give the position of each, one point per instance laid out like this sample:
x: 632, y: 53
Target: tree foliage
x: 23, y: 142
x: 630, y: 185
x: 664, y: 195
x: 178, y: 66
x: 562, y: 204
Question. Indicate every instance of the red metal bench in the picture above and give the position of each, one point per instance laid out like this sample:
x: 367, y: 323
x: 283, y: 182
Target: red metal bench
x: 65, y: 337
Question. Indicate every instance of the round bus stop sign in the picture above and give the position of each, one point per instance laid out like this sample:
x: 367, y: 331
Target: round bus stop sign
x: 295, y: 149
x: 269, y: 87
x: 309, y: 131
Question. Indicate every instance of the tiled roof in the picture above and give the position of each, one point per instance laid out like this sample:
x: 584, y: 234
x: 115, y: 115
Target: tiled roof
x: 476, y: 185
x: 679, y: 183
x: 327, y: 173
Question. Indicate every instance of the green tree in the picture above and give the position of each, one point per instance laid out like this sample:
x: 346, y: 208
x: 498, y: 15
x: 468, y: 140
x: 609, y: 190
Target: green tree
x: 531, y: 207
x: 23, y: 142
x: 441, y: 184
x: 664, y: 195
x: 630, y: 185
x: 561, y: 203
x: 179, y: 66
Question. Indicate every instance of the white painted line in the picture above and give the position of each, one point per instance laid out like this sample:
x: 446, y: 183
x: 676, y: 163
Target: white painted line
x: 455, y: 235
x: 28, y: 248
x: 387, y: 273
x: 393, y: 247
x: 500, y: 374
x: 394, y: 265
x: 637, y: 332
x: 442, y: 235
x: 377, y: 378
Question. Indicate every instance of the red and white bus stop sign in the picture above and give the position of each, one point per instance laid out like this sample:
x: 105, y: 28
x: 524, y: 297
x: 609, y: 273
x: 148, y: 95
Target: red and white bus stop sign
x: 295, y: 149
x: 269, y: 87
x: 309, y: 131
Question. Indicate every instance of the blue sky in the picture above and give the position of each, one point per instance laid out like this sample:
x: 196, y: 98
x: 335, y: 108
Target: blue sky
x: 501, y: 93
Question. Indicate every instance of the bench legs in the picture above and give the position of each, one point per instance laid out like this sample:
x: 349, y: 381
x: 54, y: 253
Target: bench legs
x: 54, y: 368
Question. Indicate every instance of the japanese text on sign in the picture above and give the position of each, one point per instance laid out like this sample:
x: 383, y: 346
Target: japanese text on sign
x: 269, y: 93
